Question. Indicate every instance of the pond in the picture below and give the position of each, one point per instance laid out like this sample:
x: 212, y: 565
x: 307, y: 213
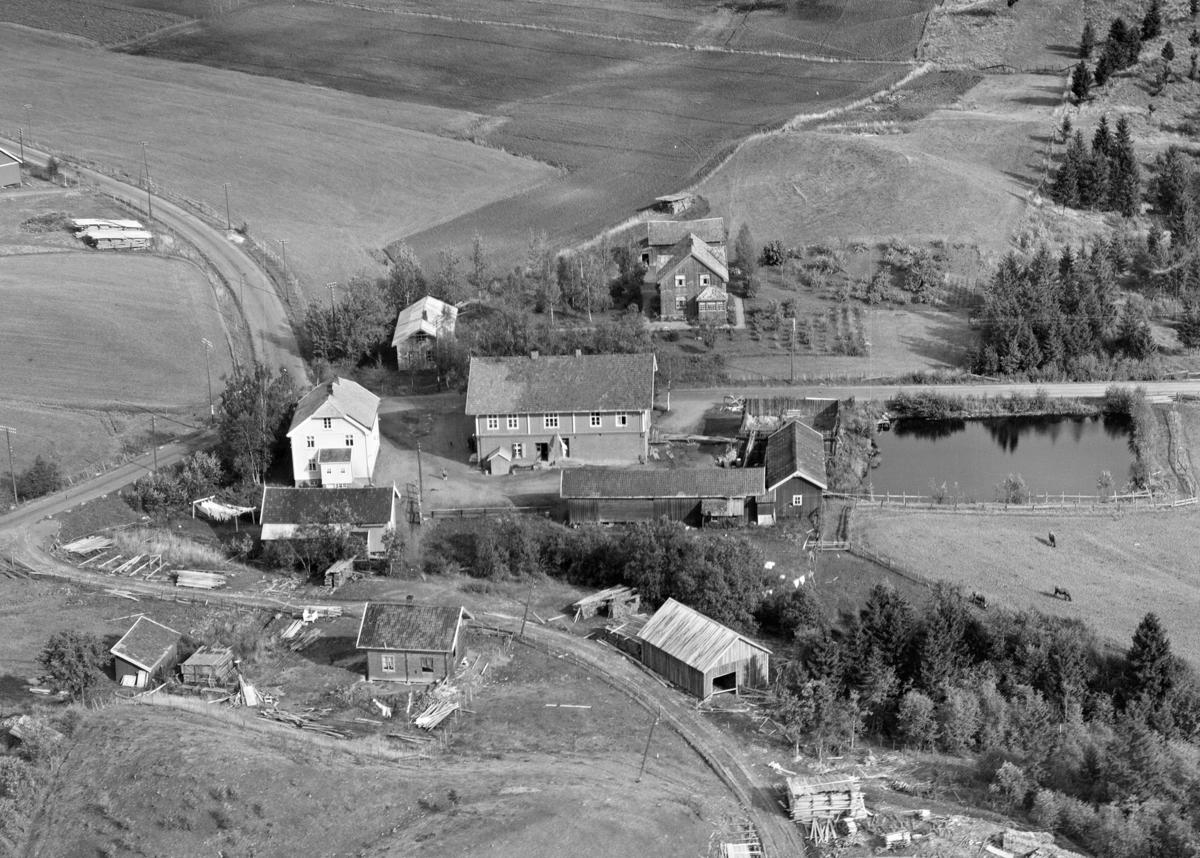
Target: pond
x: 1052, y: 454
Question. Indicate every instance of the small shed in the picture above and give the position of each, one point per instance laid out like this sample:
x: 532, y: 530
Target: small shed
x: 817, y: 803
x: 674, y: 203
x: 614, y: 602
x: 209, y: 666
x: 118, y: 239
x: 498, y: 462
x: 699, y: 654
x: 145, y: 652
x: 10, y: 169
x: 406, y: 642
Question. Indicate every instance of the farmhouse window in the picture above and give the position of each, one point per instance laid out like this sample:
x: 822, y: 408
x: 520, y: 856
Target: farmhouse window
x: 513, y: 421
x: 594, y: 419
x: 327, y: 423
x: 493, y: 421
x: 426, y: 664
x: 704, y: 281
x: 518, y: 451
x: 797, y: 500
x: 622, y: 419
x: 310, y: 441
x: 550, y: 421
x: 387, y: 663
x: 349, y: 440
x: 312, y: 464
x: 680, y: 281
x: 680, y: 302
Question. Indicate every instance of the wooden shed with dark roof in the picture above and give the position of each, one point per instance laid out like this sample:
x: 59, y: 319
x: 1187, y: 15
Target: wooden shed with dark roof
x: 407, y: 642
x: 690, y: 495
x: 144, y: 653
x: 699, y: 654
x: 795, y: 464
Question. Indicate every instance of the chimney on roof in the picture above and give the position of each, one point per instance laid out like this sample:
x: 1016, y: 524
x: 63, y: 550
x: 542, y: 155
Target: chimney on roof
x: 331, y: 383
x: 533, y: 355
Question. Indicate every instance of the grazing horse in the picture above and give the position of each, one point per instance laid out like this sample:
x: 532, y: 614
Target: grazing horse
x: 978, y: 601
x: 1060, y: 593
x: 1053, y: 541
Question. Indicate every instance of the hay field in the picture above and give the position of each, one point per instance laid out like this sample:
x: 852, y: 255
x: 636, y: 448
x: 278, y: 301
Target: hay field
x: 336, y: 175
x: 629, y: 120
x: 106, y: 23
x: 1117, y: 567
x: 960, y: 173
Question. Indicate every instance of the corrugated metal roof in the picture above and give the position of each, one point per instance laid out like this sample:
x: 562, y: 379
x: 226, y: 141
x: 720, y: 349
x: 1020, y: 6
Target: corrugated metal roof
x: 691, y: 637
x: 405, y: 626
x: 284, y: 505
x: 340, y: 397
x: 661, y: 483
x: 429, y: 315
x: 664, y: 233
x: 560, y: 383
x: 145, y: 644
x: 796, y: 449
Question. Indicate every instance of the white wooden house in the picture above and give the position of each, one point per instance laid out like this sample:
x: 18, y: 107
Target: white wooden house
x: 419, y: 329
x: 335, y: 435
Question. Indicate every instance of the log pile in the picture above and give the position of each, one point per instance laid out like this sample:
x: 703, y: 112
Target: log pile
x: 301, y: 723
x: 437, y: 712
x: 198, y: 580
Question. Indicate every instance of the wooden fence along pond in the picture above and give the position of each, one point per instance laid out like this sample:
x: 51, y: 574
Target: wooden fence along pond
x: 1061, y: 501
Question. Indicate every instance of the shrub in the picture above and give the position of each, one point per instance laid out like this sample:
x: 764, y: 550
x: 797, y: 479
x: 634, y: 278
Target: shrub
x: 1012, y: 489
x: 40, y: 478
x: 914, y: 719
x: 74, y: 661
x: 773, y: 254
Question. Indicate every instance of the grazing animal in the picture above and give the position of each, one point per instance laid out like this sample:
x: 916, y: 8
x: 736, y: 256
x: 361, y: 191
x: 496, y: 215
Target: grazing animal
x: 978, y: 601
x: 1060, y: 593
x: 1053, y: 541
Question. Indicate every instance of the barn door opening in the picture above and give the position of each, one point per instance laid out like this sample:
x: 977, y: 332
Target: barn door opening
x: 725, y: 683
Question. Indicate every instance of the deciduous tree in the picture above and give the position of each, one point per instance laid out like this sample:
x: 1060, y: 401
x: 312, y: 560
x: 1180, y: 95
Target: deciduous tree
x: 253, y: 417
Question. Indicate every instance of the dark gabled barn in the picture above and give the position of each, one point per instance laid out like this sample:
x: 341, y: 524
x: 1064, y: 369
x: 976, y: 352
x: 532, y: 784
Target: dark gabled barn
x: 795, y: 465
x: 690, y: 495
x: 699, y: 654
x: 406, y: 642
x: 146, y: 652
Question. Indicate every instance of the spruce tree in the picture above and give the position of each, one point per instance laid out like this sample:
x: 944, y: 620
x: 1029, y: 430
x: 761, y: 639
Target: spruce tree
x: 1103, y: 69
x: 1087, y: 41
x: 1194, y: 37
x: 1066, y: 181
x: 1125, y: 175
x: 1150, y: 662
x: 1095, y: 181
x: 1168, y: 52
x: 1102, y: 138
x: 1152, y: 21
x: 1193, y: 7
x: 1081, y: 81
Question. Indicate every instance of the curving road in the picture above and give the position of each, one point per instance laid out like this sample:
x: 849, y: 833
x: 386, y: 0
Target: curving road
x: 273, y: 342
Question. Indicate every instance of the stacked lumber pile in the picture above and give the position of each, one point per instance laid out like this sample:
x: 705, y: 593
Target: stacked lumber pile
x: 304, y: 639
x: 198, y: 580
x: 301, y: 723
x: 813, y: 798
x: 88, y: 545
x: 437, y: 712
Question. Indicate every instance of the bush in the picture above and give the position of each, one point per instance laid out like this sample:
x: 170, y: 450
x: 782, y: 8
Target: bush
x: 41, y: 478
x: 1012, y: 489
x: 773, y: 254
x: 74, y: 661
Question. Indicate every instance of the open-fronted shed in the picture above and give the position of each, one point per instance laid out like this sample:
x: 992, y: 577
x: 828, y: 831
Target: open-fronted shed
x: 699, y: 654
x: 144, y: 652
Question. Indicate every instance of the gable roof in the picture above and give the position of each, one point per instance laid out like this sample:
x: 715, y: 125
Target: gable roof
x: 405, y: 626
x: 328, y: 455
x: 664, y: 233
x: 656, y: 483
x: 793, y: 450
x: 285, y: 505
x: 11, y: 156
x: 146, y: 644
x: 429, y: 316
x: 340, y: 397
x: 712, y: 294
x: 689, y: 636
x: 692, y: 247
x: 560, y: 383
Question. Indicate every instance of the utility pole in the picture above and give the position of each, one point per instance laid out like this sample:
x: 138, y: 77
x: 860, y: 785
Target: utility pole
x: 21, y: 140
x: 525, y: 616
x: 146, y: 173
x: 208, y: 347
x: 28, y: 127
x: 793, y: 350
x: 283, y: 249
x: 154, y: 442
x: 228, y: 219
x: 420, y: 485
x: 242, y: 288
x: 8, y: 430
x: 332, y: 308
x: 587, y: 285
x: 646, y: 752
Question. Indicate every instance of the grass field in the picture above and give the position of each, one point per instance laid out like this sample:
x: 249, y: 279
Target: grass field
x: 106, y: 23
x: 1117, y: 567
x: 334, y: 174
x: 629, y: 119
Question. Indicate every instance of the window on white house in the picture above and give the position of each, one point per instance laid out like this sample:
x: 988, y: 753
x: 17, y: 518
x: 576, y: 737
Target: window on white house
x: 550, y: 421
x: 310, y: 441
x: 704, y: 281
x: 327, y: 423
x: 797, y: 500
x: 622, y: 419
x: 493, y: 421
x: 513, y: 421
x: 312, y: 464
x: 594, y: 419
x: 426, y: 664
x: 387, y: 663
x: 349, y: 440
x: 518, y: 451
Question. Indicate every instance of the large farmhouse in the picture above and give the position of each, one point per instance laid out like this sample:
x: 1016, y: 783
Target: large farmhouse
x: 335, y: 435
x: 686, y: 269
x: 594, y: 408
x: 699, y: 654
x: 406, y: 642
x: 692, y: 495
x: 419, y: 329
x: 10, y: 169
x: 369, y: 513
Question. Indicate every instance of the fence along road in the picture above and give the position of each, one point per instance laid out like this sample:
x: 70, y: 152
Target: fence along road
x: 273, y: 342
